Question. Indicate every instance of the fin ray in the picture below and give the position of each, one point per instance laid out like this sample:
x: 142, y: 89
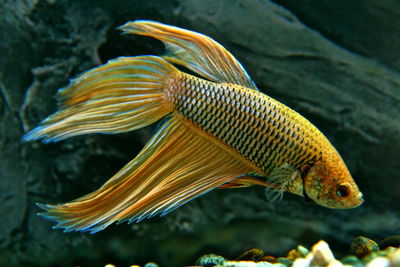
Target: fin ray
x: 195, y: 51
x: 246, y: 181
x: 175, y: 166
x: 123, y: 95
x: 279, y: 179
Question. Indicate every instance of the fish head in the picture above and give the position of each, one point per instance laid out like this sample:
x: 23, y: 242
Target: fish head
x: 330, y: 184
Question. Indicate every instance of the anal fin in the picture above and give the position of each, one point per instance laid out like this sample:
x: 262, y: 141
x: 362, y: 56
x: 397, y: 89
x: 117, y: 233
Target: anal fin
x: 176, y: 166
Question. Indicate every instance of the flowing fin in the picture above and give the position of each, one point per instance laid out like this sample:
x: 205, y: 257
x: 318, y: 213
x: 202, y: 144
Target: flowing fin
x: 195, y: 51
x: 125, y: 94
x: 246, y: 181
x: 279, y: 179
x: 177, y: 165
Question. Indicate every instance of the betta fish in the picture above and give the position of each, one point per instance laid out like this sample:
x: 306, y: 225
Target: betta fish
x: 217, y: 131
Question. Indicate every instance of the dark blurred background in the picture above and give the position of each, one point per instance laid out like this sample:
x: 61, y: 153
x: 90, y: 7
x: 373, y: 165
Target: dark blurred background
x: 335, y: 62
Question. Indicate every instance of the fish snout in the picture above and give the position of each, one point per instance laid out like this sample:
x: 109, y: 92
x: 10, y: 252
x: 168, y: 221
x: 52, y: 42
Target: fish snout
x: 358, y: 200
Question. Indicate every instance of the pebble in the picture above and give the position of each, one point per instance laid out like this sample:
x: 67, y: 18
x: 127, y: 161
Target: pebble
x: 250, y: 264
x: 210, y: 260
x: 299, y: 252
x: 362, y: 246
x: 379, y: 262
x: 254, y: 254
x: 394, y: 257
x: 285, y: 261
x: 270, y: 259
x: 334, y: 263
x: 301, y: 263
x: 365, y: 252
x: 303, y: 251
x: 294, y: 254
x: 352, y: 261
x: 322, y: 254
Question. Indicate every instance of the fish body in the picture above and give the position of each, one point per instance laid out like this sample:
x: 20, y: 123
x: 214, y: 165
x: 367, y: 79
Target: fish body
x: 262, y: 130
x: 220, y: 132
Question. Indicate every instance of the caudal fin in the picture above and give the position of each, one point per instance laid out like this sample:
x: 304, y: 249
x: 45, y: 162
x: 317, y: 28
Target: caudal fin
x: 125, y: 94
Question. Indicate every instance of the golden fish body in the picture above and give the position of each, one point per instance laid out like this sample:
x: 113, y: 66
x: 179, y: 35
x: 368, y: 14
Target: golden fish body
x: 220, y: 132
x: 263, y: 131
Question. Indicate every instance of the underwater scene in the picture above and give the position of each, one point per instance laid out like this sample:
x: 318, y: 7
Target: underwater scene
x: 176, y: 133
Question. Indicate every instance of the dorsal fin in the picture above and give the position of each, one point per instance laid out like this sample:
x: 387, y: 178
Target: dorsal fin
x: 195, y: 51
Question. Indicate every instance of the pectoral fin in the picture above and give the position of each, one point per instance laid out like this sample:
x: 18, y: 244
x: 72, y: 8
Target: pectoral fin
x: 279, y: 179
x: 176, y: 166
x: 195, y: 51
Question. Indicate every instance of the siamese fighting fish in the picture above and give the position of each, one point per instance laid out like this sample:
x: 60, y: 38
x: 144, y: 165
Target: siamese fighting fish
x: 216, y: 130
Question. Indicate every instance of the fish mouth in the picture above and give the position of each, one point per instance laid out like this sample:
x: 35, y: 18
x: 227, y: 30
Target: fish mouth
x: 359, y: 200
x: 352, y: 203
x: 355, y: 202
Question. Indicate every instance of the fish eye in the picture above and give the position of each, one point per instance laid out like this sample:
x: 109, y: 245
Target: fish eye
x: 342, y: 191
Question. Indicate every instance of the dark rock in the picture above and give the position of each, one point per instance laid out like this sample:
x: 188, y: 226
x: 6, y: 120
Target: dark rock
x: 362, y: 246
x: 365, y: 27
x: 254, y: 254
x: 338, y: 69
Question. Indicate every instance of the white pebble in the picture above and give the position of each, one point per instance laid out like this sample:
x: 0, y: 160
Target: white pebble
x: 322, y: 254
x: 379, y: 262
x: 301, y: 262
x: 335, y: 263
x: 394, y: 257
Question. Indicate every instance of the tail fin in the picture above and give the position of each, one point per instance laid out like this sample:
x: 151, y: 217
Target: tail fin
x: 125, y: 94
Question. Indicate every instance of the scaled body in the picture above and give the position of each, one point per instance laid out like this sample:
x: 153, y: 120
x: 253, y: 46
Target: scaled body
x: 261, y: 129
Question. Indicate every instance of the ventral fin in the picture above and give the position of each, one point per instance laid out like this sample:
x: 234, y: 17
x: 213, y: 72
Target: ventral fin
x: 176, y: 166
x: 195, y: 51
x: 279, y: 180
x: 246, y: 181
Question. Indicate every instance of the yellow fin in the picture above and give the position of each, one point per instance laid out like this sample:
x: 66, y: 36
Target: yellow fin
x: 279, y: 179
x: 195, y: 51
x: 246, y: 181
x: 125, y: 94
x: 176, y: 165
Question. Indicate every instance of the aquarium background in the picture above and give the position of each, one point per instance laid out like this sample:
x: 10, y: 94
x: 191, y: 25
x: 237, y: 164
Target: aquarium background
x: 335, y: 62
